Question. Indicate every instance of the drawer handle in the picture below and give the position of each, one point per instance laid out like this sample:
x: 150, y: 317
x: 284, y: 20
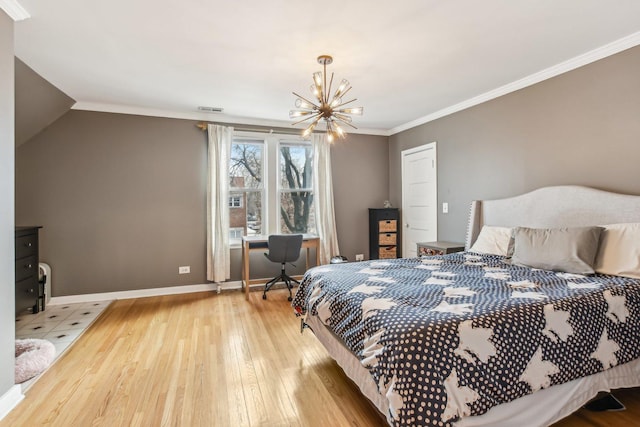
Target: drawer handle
x: 28, y: 244
x: 28, y: 266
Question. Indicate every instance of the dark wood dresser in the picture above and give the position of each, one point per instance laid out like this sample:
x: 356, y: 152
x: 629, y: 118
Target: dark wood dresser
x: 383, y: 233
x: 28, y: 292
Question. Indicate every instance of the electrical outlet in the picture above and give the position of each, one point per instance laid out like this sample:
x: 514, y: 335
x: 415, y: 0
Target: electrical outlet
x: 445, y: 207
x: 185, y: 269
x: 359, y: 257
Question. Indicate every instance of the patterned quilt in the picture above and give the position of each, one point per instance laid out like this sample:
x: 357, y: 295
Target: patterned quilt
x: 451, y: 336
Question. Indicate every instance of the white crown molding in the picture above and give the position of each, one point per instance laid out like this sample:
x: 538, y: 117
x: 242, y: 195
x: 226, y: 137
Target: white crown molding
x: 207, y: 117
x: 563, y: 67
x: 14, y: 10
x: 10, y: 399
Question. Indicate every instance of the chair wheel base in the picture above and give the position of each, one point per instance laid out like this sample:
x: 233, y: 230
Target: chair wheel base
x: 264, y: 296
x: 289, y: 299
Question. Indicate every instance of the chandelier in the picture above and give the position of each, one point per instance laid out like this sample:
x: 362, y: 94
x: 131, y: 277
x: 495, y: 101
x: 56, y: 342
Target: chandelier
x: 329, y: 108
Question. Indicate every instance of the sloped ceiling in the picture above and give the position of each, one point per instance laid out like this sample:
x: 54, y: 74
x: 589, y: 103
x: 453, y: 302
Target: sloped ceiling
x: 38, y: 103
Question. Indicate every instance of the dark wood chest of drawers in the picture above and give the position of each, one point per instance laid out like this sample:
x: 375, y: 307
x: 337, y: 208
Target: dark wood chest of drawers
x: 383, y: 233
x: 28, y: 292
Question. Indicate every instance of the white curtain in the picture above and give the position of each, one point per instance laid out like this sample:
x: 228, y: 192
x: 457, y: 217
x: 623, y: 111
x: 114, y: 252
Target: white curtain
x: 218, y: 150
x: 323, y: 191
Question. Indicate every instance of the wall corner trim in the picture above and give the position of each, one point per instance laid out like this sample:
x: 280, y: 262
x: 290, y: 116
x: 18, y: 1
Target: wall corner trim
x: 14, y: 10
x: 10, y: 400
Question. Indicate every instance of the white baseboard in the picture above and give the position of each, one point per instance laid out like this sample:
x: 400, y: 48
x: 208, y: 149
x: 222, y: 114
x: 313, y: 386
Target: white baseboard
x: 10, y: 399
x: 142, y: 293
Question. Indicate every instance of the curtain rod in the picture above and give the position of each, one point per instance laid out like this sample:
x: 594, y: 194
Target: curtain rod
x: 203, y: 126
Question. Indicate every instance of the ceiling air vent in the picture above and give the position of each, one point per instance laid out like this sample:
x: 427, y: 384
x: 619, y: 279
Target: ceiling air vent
x: 211, y: 109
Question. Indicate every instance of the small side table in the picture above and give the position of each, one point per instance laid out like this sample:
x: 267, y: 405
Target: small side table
x: 439, y: 248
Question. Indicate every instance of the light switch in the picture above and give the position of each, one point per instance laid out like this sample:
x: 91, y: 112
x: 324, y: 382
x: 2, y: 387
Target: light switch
x: 445, y: 207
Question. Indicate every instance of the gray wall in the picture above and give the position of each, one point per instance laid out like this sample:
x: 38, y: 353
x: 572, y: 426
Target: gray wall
x: 581, y: 127
x: 38, y: 102
x: 360, y: 168
x: 7, y: 233
x: 121, y: 199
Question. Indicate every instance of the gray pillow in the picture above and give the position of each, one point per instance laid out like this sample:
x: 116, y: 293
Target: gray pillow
x: 572, y: 250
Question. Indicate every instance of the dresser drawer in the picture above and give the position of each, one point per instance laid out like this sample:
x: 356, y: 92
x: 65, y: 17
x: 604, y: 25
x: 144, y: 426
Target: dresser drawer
x: 388, y: 252
x: 387, y: 239
x: 26, y: 245
x: 388, y: 225
x: 26, y: 267
x: 26, y: 293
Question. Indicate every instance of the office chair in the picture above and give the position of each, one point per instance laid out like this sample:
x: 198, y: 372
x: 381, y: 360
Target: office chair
x: 283, y: 248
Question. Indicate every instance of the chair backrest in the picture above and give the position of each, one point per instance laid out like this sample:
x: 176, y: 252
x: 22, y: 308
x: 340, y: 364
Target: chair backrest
x: 284, y: 247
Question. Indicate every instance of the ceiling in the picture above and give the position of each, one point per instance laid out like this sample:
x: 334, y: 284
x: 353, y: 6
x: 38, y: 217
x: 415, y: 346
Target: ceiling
x: 409, y: 61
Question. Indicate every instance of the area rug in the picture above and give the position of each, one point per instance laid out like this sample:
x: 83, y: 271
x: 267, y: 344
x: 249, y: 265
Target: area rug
x: 32, y: 357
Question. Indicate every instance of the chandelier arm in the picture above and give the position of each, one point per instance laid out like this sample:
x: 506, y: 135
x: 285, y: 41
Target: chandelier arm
x: 324, y: 88
x: 311, y: 127
x: 315, y: 122
x: 345, y: 122
x: 345, y: 103
x: 313, y: 116
x: 305, y: 99
x: 328, y: 93
x: 345, y: 92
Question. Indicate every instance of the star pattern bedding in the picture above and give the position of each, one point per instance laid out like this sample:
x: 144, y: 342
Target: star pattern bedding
x: 451, y: 336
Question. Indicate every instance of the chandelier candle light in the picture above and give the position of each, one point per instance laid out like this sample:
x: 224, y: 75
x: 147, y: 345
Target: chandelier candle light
x: 331, y: 110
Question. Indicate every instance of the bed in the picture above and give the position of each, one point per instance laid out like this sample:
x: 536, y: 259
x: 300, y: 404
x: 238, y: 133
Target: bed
x: 538, y: 314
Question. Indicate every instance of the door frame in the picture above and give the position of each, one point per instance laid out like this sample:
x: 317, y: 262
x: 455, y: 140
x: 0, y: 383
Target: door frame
x: 431, y: 145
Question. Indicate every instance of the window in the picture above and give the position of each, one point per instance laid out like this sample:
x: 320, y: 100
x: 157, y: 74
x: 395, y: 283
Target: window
x: 246, y: 188
x: 235, y: 201
x: 236, y: 233
x: 270, y: 186
x: 296, y: 188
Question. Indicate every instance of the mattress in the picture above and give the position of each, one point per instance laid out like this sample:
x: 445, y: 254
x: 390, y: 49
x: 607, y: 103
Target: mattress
x: 558, y: 401
x: 443, y: 340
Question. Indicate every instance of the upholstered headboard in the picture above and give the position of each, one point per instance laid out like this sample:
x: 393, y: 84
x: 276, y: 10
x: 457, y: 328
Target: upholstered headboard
x: 551, y: 207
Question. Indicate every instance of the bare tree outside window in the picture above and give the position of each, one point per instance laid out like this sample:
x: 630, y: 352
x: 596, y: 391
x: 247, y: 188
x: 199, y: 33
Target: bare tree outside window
x: 293, y: 199
x: 246, y: 182
x: 296, y: 189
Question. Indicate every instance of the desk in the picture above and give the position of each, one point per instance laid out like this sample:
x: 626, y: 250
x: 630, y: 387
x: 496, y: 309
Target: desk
x: 261, y: 243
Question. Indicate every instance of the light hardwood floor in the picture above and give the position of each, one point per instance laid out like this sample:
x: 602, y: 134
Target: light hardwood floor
x: 211, y: 360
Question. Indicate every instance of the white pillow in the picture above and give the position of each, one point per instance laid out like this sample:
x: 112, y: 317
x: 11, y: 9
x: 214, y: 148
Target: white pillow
x: 494, y: 241
x: 619, y: 251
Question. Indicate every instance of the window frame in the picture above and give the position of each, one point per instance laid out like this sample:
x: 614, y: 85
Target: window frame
x: 250, y: 139
x: 279, y: 190
x: 270, y: 176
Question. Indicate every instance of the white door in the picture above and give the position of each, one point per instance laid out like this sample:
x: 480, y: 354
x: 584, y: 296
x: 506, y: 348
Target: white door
x: 419, y: 197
